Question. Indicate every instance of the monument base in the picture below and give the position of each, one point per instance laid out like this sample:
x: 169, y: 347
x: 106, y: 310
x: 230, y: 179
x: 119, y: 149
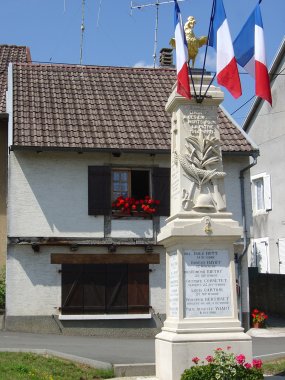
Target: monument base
x: 174, y: 352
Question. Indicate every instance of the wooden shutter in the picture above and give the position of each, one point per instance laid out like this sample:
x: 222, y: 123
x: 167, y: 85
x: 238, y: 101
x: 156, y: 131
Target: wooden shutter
x: 138, y: 289
x: 94, y: 289
x: 117, y: 289
x: 99, y: 190
x: 72, y: 289
x: 161, y: 189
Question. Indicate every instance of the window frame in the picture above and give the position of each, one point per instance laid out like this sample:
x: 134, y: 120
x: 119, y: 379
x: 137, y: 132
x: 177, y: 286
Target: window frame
x: 99, y: 188
x: 266, y: 193
x: 129, y: 171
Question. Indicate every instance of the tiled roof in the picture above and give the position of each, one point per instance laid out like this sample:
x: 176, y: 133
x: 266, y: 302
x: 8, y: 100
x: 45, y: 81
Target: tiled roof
x: 91, y: 107
x: 9, y: 53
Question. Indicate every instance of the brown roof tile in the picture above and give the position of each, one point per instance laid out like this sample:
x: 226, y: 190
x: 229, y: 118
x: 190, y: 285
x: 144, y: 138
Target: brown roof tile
x: 91, y: 107
x: 10, y: 53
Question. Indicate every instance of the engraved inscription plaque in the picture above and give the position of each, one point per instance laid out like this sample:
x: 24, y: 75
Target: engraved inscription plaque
x: 200, y: 118
x: 173, y: 285
x: 207, y: 283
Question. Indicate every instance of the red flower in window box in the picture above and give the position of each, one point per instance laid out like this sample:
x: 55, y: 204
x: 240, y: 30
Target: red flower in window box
x: 132, y: 206
x: 258, y: 318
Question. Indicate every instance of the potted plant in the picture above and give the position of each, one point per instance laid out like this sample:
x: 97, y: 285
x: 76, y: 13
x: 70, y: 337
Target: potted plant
x: 258, y: 318
x: 224, y: 365
x: 129, y: 206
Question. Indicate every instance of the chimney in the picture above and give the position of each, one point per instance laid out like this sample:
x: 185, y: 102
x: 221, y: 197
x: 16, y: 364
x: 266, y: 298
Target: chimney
x: 166, y: 59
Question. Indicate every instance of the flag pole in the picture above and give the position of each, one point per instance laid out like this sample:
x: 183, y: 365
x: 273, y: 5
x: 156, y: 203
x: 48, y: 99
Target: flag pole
x: 192, y: 81
x: 200, y: 99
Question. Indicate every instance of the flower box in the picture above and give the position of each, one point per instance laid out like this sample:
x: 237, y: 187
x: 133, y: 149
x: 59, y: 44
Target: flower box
x: 117, y: 214
x: 131, y: 207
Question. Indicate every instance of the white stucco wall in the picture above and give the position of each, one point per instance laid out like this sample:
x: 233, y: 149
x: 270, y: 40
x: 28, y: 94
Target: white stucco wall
x: 34, y: 285
x: 267, y: 128
x: 48, y: 195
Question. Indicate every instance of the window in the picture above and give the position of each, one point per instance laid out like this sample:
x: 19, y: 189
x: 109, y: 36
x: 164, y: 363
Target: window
x: 260, y: 257
x: 105, y: 289
x: 105, y: 184
x: 130, y: 183
x: 261, y: 193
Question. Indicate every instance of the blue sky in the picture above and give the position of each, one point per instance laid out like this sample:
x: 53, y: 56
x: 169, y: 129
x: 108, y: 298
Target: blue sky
x: 51, y: 28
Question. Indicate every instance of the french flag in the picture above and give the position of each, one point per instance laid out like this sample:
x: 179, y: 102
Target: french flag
x: 183, y: 87
x: 220, y: 39
x: 250, y: 53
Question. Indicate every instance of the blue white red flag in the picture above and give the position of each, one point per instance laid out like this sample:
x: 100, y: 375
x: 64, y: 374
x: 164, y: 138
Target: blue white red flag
x: 250, y: 53
x: 183, y: 86
x: 220, y: 39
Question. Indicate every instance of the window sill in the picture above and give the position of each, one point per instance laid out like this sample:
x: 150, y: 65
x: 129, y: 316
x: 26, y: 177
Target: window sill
x: 133, y: 215
x: 89, y: 317
x: 260, y: 212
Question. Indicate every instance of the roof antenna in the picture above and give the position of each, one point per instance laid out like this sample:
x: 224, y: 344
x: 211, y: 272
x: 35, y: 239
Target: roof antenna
x: 82, y: 31
x: 99, y: 11
x: 156, y: 4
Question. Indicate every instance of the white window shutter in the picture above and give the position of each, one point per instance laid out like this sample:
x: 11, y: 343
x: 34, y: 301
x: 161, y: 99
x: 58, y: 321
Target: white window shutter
x: 267, y: 192
x: 281, y: 246
x: 261, y: 253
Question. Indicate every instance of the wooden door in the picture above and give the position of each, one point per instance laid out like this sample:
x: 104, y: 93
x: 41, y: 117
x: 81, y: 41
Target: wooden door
x: 138, y: 289
x: 94, y: 289
x: 72, y: 289
x: 116, y: 288
x: 105, y: 288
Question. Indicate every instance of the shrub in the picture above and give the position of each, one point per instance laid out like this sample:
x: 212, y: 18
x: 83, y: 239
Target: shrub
x: 223, y: 366
x: 2, y: 286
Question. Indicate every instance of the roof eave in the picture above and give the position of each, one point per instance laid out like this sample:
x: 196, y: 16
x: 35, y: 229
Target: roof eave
x: 84, y: 149
x: 242, y: 131
x: 113, y: 150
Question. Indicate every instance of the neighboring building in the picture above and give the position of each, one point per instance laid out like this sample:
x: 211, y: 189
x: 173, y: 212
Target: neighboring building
x: 78, y: 136
x: 266, y: 126
x: 8, y: 53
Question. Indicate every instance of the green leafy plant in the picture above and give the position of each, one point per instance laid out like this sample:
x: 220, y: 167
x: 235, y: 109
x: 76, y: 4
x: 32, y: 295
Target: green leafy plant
x: 2, y: 287
x: 223, y: 366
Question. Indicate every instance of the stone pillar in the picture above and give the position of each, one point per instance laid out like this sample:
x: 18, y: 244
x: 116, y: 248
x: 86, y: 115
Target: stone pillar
x: 198, y: 237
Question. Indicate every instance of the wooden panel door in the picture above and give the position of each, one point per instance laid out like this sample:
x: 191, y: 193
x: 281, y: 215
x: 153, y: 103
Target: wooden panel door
x: 138, y: 289
x: 117, y: 289
x: 72, y: 289
x: 94, y: 289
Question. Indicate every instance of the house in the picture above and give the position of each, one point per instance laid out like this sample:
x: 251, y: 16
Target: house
x: 8, y: 53
x: 79, y: 136
x: 265, y: 125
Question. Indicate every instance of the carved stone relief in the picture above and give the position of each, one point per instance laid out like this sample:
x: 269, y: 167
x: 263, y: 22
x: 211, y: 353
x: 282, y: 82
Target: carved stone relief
x: 200, y: 164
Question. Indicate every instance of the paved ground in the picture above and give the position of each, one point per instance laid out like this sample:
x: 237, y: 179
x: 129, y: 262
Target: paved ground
x: 102, y: 349
x: 266, y: 345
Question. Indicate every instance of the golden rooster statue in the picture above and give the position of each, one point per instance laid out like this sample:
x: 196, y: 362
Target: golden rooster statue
x: 193, y: 42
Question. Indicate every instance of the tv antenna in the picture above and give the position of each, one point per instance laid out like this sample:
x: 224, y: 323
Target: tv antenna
x: 156, y: 4
x: 82, y: 29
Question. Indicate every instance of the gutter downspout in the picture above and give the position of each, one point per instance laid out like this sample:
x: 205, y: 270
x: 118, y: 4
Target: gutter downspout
x: 245, y: 315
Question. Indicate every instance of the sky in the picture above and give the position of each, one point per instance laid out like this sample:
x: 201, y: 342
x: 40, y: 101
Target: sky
x: 116, y: 35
